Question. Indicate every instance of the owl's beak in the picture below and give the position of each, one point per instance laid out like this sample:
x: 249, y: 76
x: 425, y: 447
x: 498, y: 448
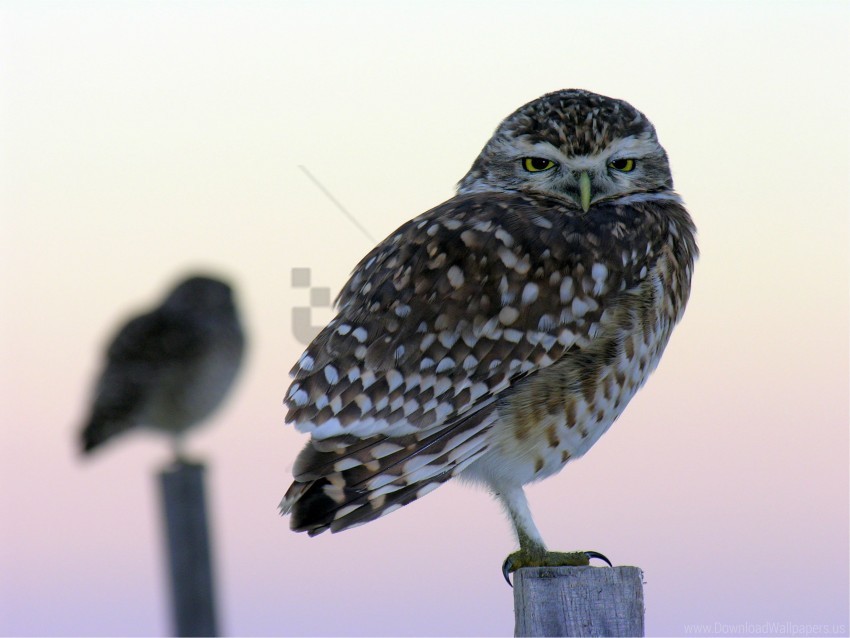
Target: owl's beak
x: 584, y: 190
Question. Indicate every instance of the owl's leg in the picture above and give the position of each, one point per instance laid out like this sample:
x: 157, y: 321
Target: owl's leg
x: 516, y: 505
x: 178, y: 446
x: 532, y: 551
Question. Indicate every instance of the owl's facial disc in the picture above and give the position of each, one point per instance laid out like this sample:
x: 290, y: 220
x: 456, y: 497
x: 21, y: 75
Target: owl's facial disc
x: 631, y: 165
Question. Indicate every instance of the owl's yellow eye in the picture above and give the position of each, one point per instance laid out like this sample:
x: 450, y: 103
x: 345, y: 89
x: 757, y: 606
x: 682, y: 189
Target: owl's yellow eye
x: 537, y: 164
x: 622, y: 165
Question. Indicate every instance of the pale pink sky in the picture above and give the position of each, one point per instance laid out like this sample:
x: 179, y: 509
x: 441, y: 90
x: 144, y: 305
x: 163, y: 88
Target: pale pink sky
x: 140, y: 140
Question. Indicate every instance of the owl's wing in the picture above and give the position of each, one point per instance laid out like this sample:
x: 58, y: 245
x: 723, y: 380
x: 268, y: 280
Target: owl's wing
x: 146, y: 349
x: 438, y: 320
x: 456, y: 305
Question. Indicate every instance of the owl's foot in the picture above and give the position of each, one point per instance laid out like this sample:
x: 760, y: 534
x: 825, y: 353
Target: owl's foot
x: 523, y: 558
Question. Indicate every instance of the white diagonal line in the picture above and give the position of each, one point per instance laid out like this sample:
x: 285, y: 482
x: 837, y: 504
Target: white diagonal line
x: 337, y: 204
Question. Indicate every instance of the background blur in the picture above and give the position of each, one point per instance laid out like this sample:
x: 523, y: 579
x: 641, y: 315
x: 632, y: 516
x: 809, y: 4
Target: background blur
x: 142, y: 140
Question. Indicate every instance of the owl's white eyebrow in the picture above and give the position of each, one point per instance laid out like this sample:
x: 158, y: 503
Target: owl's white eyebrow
x: 632, y: 146
x: 540, y: 149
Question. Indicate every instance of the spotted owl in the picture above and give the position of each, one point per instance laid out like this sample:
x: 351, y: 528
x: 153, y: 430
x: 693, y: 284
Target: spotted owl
x: 170, y: 368
x: 497, y: 336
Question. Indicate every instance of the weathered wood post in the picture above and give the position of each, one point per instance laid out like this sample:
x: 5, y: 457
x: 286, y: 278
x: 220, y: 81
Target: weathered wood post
x: 578, y: 601
x: 192, y: 595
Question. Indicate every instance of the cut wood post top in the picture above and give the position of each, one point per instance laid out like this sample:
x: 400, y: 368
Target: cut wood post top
x: 579, y: 601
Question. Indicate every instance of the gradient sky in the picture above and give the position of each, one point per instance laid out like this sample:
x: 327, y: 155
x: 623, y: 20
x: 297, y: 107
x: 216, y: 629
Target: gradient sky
x: 142, y: 140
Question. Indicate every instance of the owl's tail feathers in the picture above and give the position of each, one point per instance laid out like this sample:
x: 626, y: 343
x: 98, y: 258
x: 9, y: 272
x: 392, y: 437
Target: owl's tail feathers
x: 116, y: 403
x: 99, y: 430
x: 342, y: 484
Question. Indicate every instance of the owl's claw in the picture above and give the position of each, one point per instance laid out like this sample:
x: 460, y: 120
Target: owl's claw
x: 602, y: 557
x: 506, y: 569
x: 550, y: 559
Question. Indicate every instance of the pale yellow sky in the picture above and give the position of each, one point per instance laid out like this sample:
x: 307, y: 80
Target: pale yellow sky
x: 142, y: 139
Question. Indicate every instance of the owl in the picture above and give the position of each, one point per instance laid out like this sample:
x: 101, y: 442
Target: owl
x: 497, y: 336
x: 170, y: 368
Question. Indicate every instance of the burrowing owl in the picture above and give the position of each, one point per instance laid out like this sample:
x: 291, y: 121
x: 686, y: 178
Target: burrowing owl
x: 170, y: 368
x: 498, y: 335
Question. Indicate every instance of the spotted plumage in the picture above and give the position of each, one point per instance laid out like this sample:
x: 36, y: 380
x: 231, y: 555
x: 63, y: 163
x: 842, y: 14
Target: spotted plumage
x: 498, y: 335
x: 168, y: 369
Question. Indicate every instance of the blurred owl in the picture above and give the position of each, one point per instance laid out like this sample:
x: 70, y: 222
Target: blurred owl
x: 497, y: 336
x: 170, y: 368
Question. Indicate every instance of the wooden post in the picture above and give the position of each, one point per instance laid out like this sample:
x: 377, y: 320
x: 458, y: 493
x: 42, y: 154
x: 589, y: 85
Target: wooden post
x: 192, y: 598
x: 578, y: 601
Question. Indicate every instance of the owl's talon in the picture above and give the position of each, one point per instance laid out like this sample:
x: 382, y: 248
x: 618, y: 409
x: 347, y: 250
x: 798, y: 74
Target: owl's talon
x: 549, y: 559
x: 602, y: 557
x: 506, y: 569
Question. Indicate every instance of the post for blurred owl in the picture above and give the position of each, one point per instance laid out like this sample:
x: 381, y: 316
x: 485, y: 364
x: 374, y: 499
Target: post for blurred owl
x: 168, y: 370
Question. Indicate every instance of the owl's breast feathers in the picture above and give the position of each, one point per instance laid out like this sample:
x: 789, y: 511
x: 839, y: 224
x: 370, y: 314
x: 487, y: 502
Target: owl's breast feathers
x: 449, y: 316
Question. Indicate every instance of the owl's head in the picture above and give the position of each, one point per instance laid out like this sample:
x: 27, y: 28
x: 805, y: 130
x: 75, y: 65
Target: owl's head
x: 200, y: 295
x: 576, y: 146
